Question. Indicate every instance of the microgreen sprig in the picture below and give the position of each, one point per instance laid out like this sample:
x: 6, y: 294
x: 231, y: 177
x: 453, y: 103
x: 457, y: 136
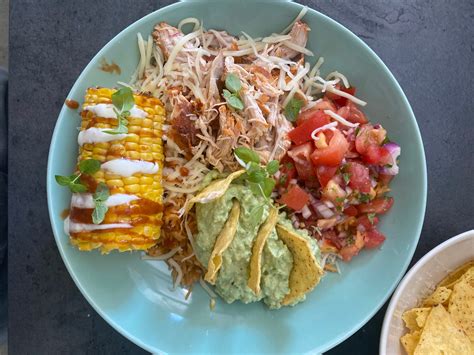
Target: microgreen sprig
x: 292, y: 109
x: 123, y: 102
x: 232, y: 92
x: 257, y: 177
x: 101, y: 195
x: 88, y: 166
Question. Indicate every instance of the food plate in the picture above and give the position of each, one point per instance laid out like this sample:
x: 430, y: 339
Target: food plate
x: 135, y: 296
x: 419, y: 282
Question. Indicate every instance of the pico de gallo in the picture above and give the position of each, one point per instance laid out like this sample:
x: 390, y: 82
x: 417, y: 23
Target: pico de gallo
x: 335, y: 177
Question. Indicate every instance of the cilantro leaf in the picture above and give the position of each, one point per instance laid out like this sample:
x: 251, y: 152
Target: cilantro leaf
x: 273, y: 166
x: 232, y: 83
x: 233, y: 100
x: 267, y: 186
x: 123, y: 99
x: 70, y: 182
x: 346, y: 177
x: 102, y: 192
x: 101, y: 195
x: 89, y: 166
x: 247, y: 155
x: 98, y: 215
x: 364, y: 198
x: 371, y: 217
x: 292, y: 109
x: 77, y: 187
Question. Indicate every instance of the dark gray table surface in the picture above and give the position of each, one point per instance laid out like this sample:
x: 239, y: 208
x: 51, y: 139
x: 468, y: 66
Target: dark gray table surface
x: 428, y: 46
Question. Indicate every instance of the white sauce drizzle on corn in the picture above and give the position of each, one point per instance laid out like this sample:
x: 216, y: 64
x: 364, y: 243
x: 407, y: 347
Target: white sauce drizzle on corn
x: 107, y: 111
x: 73, y: 227
x: 97, y: 135
x: 126, y: 168
x: 85, y: 200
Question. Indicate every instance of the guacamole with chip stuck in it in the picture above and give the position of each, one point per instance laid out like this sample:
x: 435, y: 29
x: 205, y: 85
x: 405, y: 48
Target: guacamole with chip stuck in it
x: 277, y: 261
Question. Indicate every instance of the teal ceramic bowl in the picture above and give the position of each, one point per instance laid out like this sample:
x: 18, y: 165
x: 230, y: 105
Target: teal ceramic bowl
x: 135, y: 296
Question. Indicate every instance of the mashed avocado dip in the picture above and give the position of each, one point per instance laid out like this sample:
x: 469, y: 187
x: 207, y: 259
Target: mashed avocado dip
x: 232, y: 278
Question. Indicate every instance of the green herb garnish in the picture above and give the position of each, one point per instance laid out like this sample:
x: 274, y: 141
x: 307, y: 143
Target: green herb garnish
x: 371, y: 217
x: 123, y: 101
x: 101, y: 195
x: 364, y: 198
x: 232, y: 83
x: 292, y: 109
x: 346, y: 177
x: 71, y: 182
x: 273, y: 166
x: 247, y: 155
x: 233, y: 100
x: 88, y: 166
x: 386, y: 140
x: 258, y: 177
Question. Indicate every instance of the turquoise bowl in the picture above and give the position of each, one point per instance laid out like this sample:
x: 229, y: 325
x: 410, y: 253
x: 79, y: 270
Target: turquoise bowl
x: 135, y: 296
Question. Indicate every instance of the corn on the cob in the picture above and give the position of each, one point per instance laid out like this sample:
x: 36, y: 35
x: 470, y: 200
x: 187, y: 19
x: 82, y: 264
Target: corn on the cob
x: 142, y: 143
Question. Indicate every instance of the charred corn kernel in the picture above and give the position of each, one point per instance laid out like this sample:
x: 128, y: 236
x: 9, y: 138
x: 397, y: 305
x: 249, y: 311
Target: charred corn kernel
x: 143, y: 142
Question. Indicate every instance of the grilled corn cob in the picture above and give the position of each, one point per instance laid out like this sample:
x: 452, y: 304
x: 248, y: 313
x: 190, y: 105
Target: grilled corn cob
x: 135, y: 224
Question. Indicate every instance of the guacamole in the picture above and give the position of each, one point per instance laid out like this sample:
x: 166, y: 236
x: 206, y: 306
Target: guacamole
x: 232, y: 279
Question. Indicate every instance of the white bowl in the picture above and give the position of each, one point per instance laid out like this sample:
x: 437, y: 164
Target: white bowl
x: 419, y: 282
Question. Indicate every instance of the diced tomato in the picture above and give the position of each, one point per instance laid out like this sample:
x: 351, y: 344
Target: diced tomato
x: 296, y: 198
x: 325, y: 173
x: 302, y: 151
x: 305, y: 170
x: 352, y: 113
x: 373, y: 238
x: 385, y: 179
x: 349, y: 251
x: 302, y: 133
x: 367, y: 136
x: 365, y: 222
x: 359, y: 177
x: 376, y: 155
x: 351, y: 211
x: 301, y: 156
x: 334, y: 153
x: 378, y: 206
x: 287, y: 171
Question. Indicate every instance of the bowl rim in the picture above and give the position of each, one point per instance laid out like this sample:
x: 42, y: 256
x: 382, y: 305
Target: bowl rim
x: 409, y: 276
x: 57, y: 230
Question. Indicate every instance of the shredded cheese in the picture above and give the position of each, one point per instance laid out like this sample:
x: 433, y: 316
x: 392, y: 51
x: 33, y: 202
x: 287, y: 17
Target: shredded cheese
x: 330, y: 126
x: 340, y: 118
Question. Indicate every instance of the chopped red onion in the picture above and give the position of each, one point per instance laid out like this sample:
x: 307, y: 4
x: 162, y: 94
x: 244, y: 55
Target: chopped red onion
x: 394, y: 150
x: 324, y: 210
x: 306, y: 212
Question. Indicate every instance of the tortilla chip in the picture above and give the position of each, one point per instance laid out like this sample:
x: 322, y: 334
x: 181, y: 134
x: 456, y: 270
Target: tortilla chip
x: 454, y: 276
x: 410, y: 341
x: 257, y: 249
x: 415, y: 318
x: 222, y: 243
x: 439, y: 296
x: 214, y: 190
x: 306, y: 272
x: 441, y: 335
x: 461, y: 307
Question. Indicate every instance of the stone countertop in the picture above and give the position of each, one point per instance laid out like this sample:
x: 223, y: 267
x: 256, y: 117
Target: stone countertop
x: 428, y: 46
